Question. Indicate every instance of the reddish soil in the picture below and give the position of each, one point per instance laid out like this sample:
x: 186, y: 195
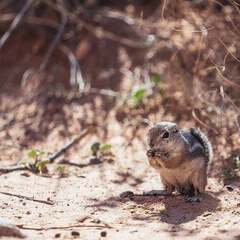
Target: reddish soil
x: 195, y: 56
x: 88, y: 198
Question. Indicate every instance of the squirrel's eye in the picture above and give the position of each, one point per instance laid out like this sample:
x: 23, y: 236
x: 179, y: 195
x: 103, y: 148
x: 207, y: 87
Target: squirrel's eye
x: 165, y: 135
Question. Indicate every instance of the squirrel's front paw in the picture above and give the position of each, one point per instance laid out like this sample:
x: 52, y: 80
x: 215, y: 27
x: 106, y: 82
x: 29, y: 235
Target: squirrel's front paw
x: 150, y: 153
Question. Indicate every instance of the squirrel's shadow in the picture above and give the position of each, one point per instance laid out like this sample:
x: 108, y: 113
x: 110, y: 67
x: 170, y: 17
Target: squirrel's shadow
x: 178, y: 211
x: 175, y: 209
x: 169, y: 209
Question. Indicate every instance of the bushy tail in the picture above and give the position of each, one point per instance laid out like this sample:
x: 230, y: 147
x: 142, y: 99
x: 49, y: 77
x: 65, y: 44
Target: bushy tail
x: 204, y: 142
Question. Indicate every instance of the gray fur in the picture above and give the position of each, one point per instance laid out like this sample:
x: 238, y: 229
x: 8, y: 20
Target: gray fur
x: 202, y: 138
x: 195, y: 147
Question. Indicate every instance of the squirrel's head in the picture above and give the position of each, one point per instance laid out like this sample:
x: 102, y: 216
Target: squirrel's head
x: 163, y: 136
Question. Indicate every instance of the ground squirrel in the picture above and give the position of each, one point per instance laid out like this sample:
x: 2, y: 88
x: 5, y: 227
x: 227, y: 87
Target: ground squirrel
x: 180, y: 156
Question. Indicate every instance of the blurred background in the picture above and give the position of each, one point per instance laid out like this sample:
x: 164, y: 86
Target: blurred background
x: 117, y: 66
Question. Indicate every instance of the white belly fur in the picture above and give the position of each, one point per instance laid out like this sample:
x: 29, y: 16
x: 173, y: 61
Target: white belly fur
x: 183, y: 174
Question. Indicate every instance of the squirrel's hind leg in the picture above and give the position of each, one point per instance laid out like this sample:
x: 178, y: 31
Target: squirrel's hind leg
x: 199, y: 182
x: 187, y: 190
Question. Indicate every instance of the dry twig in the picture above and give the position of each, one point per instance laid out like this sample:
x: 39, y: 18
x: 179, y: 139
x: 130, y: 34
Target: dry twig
x: 202, y: 123
x: 7, y: 124
x: 52, y: 158
x: 28, y: 198
x: 13, y: 169
x: 54, y: 42
x: 68, y: 145
x: 15, y: 22
x: 64, y: 227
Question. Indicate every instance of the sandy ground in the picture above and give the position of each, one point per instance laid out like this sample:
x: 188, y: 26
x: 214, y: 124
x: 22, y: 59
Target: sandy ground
x: 87, y: 203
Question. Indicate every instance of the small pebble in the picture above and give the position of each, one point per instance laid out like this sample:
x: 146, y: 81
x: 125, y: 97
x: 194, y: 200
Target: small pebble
x: 57, y: 235
x: 103, y: 234
x: 229, y: 188
x: 7, y: 229
x: 75, y: 233
x: 25, y: 174
x: 126, y: 194
x: 207, y: 214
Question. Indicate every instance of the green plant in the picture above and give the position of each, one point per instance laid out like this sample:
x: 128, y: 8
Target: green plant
x: 100, y: 149
x: 156, y: 79
x: 36, y: 161
x: 41, y: 166
x: 105, y: 147
x: 138, y: 95
x: 35, y: 153
x: 62, y: 170
x: 95, y: 147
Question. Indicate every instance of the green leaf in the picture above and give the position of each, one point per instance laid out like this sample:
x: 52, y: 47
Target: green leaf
x: 34, y: 153
x: 95, y: 148
x: 156, y: 79
x: 41, y: 165
x: 138, y: 95
x: 106, y: 147
x: 63, y: 170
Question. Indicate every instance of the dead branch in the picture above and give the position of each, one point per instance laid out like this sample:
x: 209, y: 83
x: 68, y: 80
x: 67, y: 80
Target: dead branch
x: 15, y: 22
x: 68, y: 145
x: 64, y: 227
x: 75, y: 71
x: 100, y: 32
x: 28, y: 198
x: 106, y: 92
x: 51, y: 159
x: 229, y: 82
x: 32, y: 20
x: 54, y: 42
x: 13, y: 122
x: 13, y: 169
x: 7, y: 124
x: 202, y: 123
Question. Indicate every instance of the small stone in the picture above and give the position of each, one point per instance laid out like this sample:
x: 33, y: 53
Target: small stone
x: 7, y: 229
x: 207, y: 214
x: 229, y: 188
x: 25, y: 174
x: 75, y: 233
x: 57, y: 235
x: 126, y: 194
x: 103, y: 234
